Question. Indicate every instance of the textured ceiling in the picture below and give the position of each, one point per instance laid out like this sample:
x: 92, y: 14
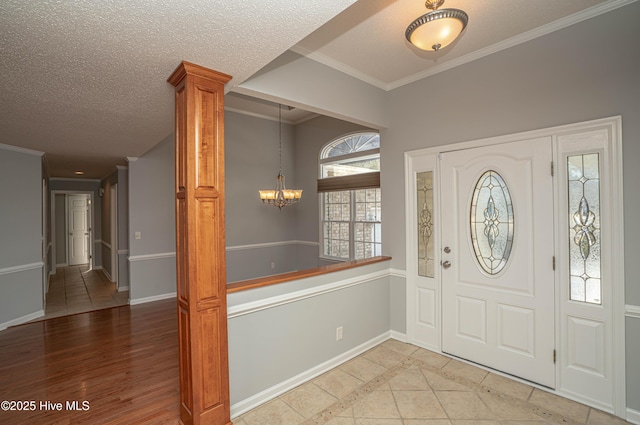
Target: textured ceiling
x: 85, y: 81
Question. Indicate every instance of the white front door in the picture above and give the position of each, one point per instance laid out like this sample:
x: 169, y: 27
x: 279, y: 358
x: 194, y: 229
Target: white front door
x: 78, y: 226
x: 497, y: 257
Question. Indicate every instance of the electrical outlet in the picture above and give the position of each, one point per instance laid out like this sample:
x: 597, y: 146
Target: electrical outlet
x: 137, y: 235
x: 273, y: 265
x: 338, y: 333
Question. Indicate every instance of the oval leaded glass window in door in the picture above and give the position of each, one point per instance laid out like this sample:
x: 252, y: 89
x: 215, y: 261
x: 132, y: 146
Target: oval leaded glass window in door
x: 491, y: 222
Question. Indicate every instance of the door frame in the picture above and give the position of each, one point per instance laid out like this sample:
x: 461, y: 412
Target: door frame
x: 428, y: 160
x: 113, y: 227
x: 53, y: 194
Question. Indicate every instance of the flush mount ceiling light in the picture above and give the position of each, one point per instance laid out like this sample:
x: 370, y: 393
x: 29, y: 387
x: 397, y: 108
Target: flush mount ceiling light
x: 436, y: 29
x: 280, y: 196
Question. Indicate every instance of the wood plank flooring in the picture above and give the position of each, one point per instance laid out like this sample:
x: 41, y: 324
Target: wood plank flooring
x: 122, y: 361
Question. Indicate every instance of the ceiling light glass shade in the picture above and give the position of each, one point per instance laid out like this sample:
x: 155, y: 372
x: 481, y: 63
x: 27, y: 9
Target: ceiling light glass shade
x: 437, y: 29
x: 280, y: 196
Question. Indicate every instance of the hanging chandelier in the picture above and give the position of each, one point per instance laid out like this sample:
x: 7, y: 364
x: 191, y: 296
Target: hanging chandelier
x: 436, y: 29
x: 280, y: 196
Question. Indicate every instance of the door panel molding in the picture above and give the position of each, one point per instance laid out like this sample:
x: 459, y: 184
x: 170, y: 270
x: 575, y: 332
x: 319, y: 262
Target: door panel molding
x: 431, y: 338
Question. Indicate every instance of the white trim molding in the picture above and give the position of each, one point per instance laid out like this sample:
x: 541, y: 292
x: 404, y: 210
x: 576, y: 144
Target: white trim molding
x: 565, y: 140
x: 146, y: 257
x: 633, y: 416
x: 278, y: 300
x: 152, y: 298
x: 461, y: 60
x: 20, y: 320
x: 632, y: 311
x: 21, y: 268
x: 262, y: 397
x: 270, y: 245
x: 398, y: 273
x: 105, y: 243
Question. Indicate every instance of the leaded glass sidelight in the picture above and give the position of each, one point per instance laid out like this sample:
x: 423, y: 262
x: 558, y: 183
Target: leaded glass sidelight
x: 491, y: 220
x: 424, y: 187
x: 583, y: 175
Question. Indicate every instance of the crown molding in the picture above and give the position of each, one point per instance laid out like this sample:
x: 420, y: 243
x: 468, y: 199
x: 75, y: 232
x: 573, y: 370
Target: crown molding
x: 494, y: 48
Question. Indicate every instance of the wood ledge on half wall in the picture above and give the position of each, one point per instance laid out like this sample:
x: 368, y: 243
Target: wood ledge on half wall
x: 286, y: 277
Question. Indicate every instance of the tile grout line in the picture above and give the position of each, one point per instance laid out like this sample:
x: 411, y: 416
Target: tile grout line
x: 357, y: 395
x: 522, y: 404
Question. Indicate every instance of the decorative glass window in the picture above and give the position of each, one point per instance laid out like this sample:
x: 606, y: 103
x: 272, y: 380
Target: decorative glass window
x: 354, y: 154
x: 424, y: 187
x: 349, y: 190
x: 584, y: 227
x: 492, y: 222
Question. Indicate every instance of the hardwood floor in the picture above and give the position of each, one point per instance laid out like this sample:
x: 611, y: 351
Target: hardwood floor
x: 122, y: 361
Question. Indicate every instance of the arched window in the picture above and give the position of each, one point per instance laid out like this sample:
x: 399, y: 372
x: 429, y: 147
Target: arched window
x: 349, y: 188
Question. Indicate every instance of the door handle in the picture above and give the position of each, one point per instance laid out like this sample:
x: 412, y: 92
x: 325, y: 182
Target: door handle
x: 446, y: 264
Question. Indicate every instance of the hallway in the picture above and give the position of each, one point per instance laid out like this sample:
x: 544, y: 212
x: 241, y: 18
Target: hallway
x: 76, y: 289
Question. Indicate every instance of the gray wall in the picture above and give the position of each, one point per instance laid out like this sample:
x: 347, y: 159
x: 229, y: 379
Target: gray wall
x: 21, y: 292
x: 580, y: 73
x: 329, y: 92
x: 583, y: 72
x: 251, y: 163
x: 152, y: 262
x: 270, y: 346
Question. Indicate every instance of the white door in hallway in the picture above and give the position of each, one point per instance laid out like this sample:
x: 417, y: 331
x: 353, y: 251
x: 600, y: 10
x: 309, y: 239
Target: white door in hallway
x: 497, y: 253
x: 79, y: 229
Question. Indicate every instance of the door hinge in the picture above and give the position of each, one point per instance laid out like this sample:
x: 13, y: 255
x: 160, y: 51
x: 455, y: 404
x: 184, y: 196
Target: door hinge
x: 554, y: 356
x: 553, y: 262
x: 551, y: 168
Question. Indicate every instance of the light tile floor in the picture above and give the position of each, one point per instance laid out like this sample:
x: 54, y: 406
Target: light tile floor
x: 400, y: 384
x: 76, y: 289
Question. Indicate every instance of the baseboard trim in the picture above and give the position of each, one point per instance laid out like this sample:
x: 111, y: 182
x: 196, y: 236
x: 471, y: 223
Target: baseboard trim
x: 152, y: 299
x: 633, y: 416
x: 262, y: 397
x: 399, y: 336
x: 21, y: 320
x: 123, y: 288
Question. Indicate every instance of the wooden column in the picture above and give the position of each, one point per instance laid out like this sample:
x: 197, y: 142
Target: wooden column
x: 200, y: 245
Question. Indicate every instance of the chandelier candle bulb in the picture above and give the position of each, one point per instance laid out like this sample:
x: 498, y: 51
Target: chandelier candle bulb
x: 281, y: 196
